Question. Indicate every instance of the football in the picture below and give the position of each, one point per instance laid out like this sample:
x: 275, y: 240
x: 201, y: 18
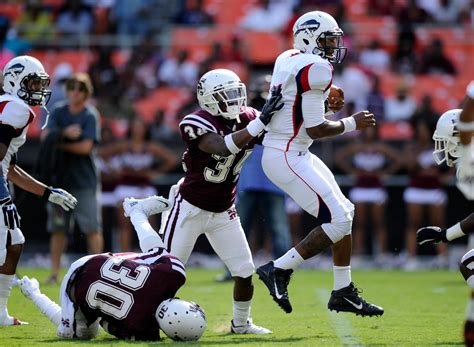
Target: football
x: 335, y: 98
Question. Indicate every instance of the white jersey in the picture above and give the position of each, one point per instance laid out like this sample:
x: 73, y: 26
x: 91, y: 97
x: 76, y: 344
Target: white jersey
x: 297, y: 73
x: 14, y: 112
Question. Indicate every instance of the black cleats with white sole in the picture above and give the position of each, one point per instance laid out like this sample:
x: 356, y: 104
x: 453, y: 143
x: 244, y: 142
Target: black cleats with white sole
x: 276, y: 281
x: 347, y: 299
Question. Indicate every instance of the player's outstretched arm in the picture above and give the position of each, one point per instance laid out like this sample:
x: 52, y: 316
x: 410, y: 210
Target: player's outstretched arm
x: 434, y: 234
x: 30, y: 289
x: 230, y: 144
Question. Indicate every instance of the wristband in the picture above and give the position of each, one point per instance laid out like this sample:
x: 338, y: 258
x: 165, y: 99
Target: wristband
x: 46, y: 194
x: 470, y: 90
x: 230, y: 144
x: 349, y: 124
x: 454, y: 232
x: 255, y: 127
x: 465, y: 126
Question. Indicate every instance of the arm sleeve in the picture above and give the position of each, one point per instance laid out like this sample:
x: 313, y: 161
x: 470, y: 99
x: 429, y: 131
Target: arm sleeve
x: 315, y: 76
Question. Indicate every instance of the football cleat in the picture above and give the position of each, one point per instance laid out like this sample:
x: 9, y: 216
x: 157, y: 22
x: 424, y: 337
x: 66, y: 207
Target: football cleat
x: 347, y: 299
x: 149, y: 206
x: 11, y: 321
x: 248, y: 328
x: 276, y: 281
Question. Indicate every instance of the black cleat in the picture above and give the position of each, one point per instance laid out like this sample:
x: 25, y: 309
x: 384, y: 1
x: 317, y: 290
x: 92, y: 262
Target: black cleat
x: 347, y: 299
x: 277, y: 281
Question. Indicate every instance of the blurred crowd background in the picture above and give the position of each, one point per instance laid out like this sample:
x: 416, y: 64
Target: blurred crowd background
x: 408, y: 62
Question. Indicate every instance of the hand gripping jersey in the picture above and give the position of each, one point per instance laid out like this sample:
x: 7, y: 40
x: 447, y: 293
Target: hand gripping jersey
x: 210, y: 181
x: 298, y: 73
x: 125, y: 290
x: 14, y: 112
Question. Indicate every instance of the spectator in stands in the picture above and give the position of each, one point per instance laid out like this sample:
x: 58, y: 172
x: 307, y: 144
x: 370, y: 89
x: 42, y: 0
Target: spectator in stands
x: 161, y: 132
x: 102, y: 71
x: 235, y: 53
x: 444, y: 11
x: 374, y: 57
x: 35, y: 23
x: 376, y: 100
x: 75, y: 127
x: 10, y: 44
x: 75, y: 19
x: 380, y: 7
x: 405, y: 60
x: 401, y: 107
x: 132, y: 17
x: 194, y: 14
x: 62, y: 73
x: 138, y: 158
x: 425, y: 190
x: 434, y: 60
x: 269, y: 15
x: 426, y: 111
x: 369, y: 160
x: 354, y: 81
x: 179, y: 71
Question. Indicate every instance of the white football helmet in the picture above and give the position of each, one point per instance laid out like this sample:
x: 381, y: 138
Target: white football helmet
x: 25, y: 77
x: 317, y: 32
x: 221, y: 93
x: 181, y: 320
x: 446, y: 138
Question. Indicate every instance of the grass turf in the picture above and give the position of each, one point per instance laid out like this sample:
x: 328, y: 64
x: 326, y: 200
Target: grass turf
x: 421, y: 309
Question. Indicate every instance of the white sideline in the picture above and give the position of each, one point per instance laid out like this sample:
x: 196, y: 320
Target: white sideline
x: 341, y: 325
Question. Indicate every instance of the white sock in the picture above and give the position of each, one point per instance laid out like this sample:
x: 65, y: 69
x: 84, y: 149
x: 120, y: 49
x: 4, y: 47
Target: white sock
x: 49, y: 308
x: 147, y: 236
x: 342, y: 276
x: 290, y: 260
x: 470, y: 310
x: 241, y: 312
x: 5, y: 289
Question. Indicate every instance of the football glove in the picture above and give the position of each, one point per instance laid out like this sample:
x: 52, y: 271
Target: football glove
x: 29, y: 287
x: 11, y: 217
x: 272, y: 105
x: 465, y: 171
x: 431, y: 234
x: 60, y: 197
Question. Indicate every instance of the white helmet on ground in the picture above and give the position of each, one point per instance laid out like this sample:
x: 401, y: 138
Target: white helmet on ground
x: 317, y: 32
x: 221, y: 93
x: 25, y: 77
x: 446, y: 138
x: 181, y: 320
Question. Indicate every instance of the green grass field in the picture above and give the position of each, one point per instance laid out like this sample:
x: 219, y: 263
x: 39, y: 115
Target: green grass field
x: 421, y: 309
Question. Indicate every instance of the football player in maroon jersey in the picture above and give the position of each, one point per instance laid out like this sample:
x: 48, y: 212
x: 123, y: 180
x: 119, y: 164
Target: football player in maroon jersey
x: 125, y: 293
x: 219, y: 137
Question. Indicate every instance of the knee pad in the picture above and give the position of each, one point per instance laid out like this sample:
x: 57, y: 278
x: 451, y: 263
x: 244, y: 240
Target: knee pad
x: 339, y: 227
x: 244, y: 270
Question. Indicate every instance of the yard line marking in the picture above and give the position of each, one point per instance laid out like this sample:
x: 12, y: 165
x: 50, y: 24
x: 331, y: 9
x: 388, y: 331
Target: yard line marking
x: 341, y: 325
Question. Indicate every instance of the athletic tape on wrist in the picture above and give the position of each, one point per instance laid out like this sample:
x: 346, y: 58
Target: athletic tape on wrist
x: 255, y: 127
x: 349, y: 124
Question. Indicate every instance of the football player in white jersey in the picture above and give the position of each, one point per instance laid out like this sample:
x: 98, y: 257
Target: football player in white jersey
x: 305, y: 74
x: 25, y: 84
x: 465, y: 165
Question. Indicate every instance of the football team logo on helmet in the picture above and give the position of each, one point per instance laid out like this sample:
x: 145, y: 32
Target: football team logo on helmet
x: 311, y: 24
x: 15, y: 70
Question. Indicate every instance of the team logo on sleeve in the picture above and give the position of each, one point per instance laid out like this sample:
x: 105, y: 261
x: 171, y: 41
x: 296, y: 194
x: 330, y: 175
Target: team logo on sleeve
x: 15, y: 70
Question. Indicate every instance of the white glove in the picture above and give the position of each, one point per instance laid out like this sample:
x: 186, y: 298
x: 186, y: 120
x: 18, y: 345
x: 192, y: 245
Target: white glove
x: 60, y: 197
x: 465, y: 171
x: 29, y: 287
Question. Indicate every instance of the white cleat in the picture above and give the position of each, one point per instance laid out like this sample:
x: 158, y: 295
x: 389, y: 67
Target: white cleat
x: 149, y: 206
x: 11, y: 321
x: 248, y: 328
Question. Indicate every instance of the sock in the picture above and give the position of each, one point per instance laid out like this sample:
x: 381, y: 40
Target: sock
x: 241, y: 312
x: 289, y: 260
x: 454, y: 232
x: 49, y: 308
x: 5, y: 289
x: 470, y: 282
x: 147, y: 236
x: 342, y: 276
x: 470, y: 310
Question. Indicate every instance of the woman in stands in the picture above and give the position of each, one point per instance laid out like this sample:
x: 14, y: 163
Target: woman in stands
x: 369, y: 160
x: 141, y: 162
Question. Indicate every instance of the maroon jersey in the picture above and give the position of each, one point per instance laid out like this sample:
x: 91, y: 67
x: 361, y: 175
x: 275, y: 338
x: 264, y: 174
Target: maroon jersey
x: 124, y: 290
x: 210, y: 181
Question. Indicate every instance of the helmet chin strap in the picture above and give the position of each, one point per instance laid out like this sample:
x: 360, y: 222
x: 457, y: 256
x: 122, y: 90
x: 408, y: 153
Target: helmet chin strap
x: 47, y: 117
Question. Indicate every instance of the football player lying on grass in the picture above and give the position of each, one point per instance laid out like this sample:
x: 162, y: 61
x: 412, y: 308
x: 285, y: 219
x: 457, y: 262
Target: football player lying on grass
x: 131, y: 295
